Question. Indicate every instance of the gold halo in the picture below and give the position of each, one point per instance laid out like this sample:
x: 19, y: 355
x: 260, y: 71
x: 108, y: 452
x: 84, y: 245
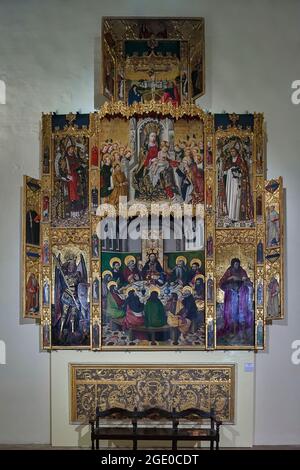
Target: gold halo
x: 188, y: 288
x: 181, y: 258
x: 111, y: 283
x: 114, y: 260
x: 129, y: 288
x: 128, y: 259
x: 154, y: 289
x: 198, y: 276
x: 106, y: 272
x: 195, y: 260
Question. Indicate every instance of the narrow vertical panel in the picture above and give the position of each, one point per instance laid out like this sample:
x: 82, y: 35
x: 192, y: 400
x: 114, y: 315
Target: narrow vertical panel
x: 46, y: 277
x: 235, y: 282
x: 209, y: 171
x: 70, y: 232
x: 274, y: 242
x: 31, y: 247
x: 95, y: 247
x: 259, y: 169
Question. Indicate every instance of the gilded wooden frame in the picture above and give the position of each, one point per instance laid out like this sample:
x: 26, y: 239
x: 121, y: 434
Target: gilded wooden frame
x: 270, y: 262
x: 189, y: 32
x: 31, y: 252
x: 224, y: 382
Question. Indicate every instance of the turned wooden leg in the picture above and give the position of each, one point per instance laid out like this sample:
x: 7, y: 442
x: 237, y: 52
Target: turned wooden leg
x: 174, y: 445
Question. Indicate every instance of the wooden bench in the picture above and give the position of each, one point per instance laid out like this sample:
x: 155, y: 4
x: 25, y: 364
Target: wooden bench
x: 162, y: 425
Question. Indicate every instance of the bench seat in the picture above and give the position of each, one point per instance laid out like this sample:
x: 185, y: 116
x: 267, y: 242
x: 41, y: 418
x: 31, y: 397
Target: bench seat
x: 173, y: 426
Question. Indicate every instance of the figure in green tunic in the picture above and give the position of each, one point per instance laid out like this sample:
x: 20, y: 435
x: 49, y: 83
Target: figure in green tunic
x: 114, y: 302
x: 155, y: 315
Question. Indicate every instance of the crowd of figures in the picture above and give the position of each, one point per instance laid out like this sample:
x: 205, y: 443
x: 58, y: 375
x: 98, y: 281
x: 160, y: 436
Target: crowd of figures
x: 162, y: 173
x: 138, y: 296
x: 114, y: 171
x: 175, y: 174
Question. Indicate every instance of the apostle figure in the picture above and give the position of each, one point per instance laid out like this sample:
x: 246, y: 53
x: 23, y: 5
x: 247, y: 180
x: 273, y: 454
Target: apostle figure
x: 189, y: 304
x: 237, y: 287
x: 175, y: 315
x: 199, y: 287
x: 115, y: 304
x: 237, y: 187
x: 134, y: 310
x: 195, y: 264
x: 106, y: 278
x: 273, y: 304
x: 155, y: 315
x: 120, y: 185
x: 140, y: 268
x: 32, y: 294
x: 131, y: 273
x: 180, y: 273
x: 273, y: 227
x: 117, y: 275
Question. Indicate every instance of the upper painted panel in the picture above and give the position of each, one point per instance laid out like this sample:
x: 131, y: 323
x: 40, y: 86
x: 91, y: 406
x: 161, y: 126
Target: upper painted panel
x: 145, y: 59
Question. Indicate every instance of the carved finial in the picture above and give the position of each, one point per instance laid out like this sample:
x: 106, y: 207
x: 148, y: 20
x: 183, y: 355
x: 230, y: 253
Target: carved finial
x: 70, y: 118
x: 234, y: 118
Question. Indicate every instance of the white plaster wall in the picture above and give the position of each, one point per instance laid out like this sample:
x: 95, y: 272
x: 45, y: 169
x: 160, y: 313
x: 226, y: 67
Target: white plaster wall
x: 49, y: 56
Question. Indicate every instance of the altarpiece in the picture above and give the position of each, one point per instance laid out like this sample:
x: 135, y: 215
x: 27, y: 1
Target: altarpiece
x: 110, y: 261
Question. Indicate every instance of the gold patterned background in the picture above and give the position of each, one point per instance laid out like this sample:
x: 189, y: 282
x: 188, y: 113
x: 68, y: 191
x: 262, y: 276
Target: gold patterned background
x: 202, y: 386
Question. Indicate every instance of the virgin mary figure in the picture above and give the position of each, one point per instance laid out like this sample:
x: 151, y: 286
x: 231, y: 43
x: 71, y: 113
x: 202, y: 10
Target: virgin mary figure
x: 150, y: 149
